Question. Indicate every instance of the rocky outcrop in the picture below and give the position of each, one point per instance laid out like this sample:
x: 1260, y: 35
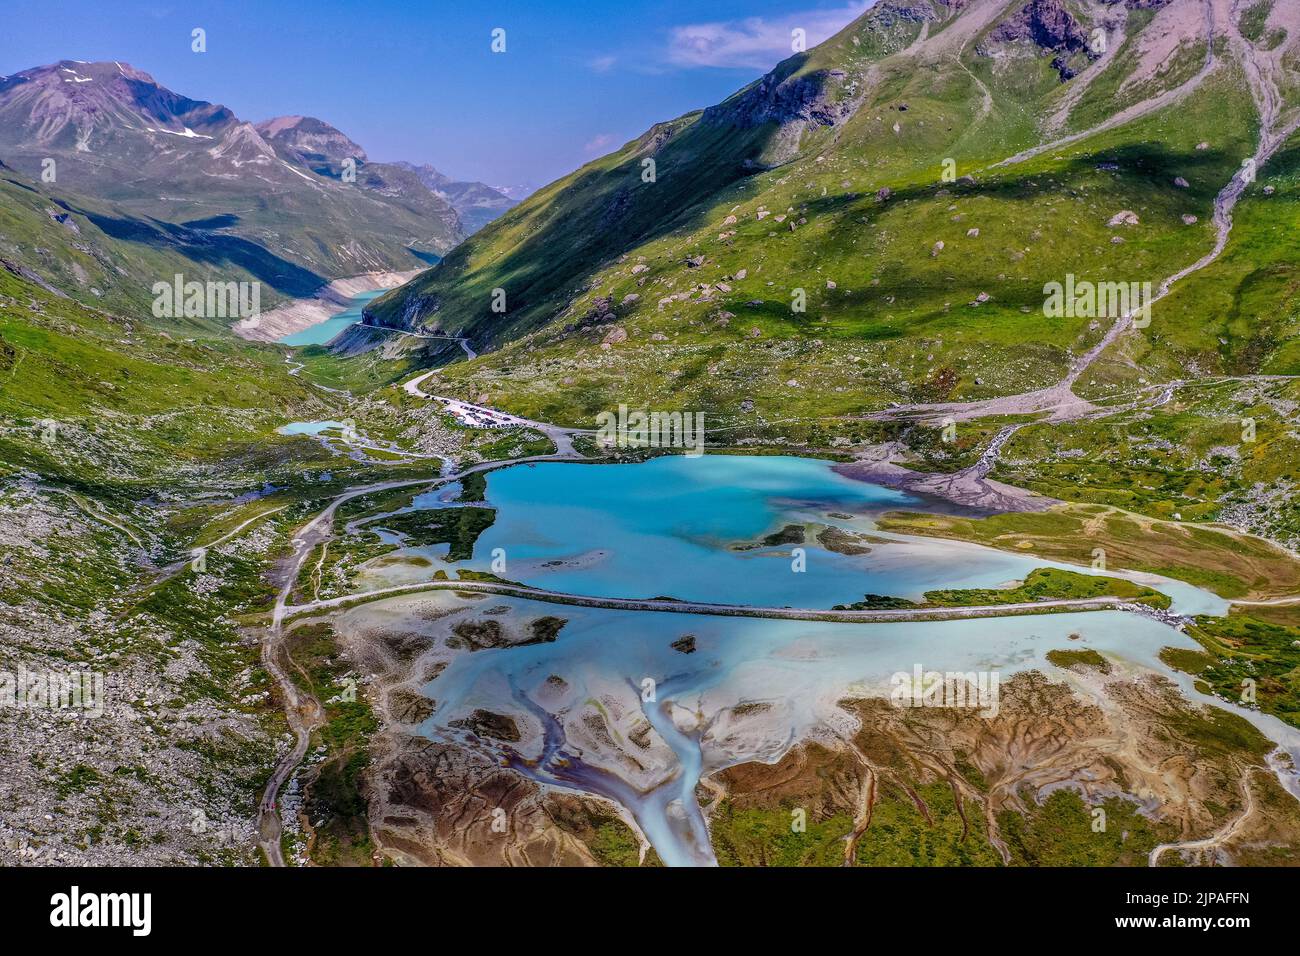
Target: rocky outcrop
x: 658, y: 136
x: 475, y: 203
x: 809, y: 98
x: 890, y: 12
x: 792, y: 103
x: 485, y: 723
x: 1047, y: 23
x: 313, y: 140
x: 1051, y: 27
x: 23, y: 272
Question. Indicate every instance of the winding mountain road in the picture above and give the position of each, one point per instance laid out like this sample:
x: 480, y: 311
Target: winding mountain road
x: 302, y: 710
x: 1220, y: 837
x: 1059, y: 400
x: 470, y: 354
x: 561, y: 437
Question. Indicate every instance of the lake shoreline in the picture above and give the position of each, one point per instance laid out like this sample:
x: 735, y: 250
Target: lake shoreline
x: 298, y: 315
x: 968, y: 488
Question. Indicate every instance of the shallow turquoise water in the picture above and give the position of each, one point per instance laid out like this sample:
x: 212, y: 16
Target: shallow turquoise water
x: 798, y: 670
x: 323, y: 332
x: 308, y: 428
x: 805, y: 665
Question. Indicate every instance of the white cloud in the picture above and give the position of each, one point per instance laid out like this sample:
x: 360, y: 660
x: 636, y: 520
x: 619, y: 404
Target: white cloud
x: 602, y: 64
x: 598, y: 143
x: 756, y: 42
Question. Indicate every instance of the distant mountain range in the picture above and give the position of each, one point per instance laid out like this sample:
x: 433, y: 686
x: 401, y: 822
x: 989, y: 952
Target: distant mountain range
x: 896, y: 200
x: 477, y: 204
x: 291, y: 201
x: 518, y: 192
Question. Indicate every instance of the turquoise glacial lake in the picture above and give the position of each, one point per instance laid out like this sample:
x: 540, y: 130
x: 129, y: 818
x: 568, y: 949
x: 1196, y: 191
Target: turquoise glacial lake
x: 324, y: 332
x: 691, y: 529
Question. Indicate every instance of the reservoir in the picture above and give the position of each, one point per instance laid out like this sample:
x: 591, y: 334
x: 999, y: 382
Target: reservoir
x: 324, y: 332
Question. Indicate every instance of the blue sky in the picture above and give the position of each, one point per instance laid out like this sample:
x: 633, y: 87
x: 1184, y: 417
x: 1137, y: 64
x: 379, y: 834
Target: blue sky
x: 417, y: 80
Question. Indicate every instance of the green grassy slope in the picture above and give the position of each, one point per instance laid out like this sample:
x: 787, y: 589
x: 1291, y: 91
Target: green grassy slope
x: 109, y: 258
x: 832, y: 180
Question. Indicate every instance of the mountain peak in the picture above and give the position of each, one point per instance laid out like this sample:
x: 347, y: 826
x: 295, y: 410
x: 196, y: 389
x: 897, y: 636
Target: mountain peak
x: 81, y: 105
x: 78, y: 72
x: 476, y: 203
x: 312, y: 139
x: 430, y: 175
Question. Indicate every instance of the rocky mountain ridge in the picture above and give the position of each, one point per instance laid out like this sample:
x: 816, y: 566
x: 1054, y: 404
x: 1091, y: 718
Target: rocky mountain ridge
x: 111, y: 132
x: 898, y: 196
